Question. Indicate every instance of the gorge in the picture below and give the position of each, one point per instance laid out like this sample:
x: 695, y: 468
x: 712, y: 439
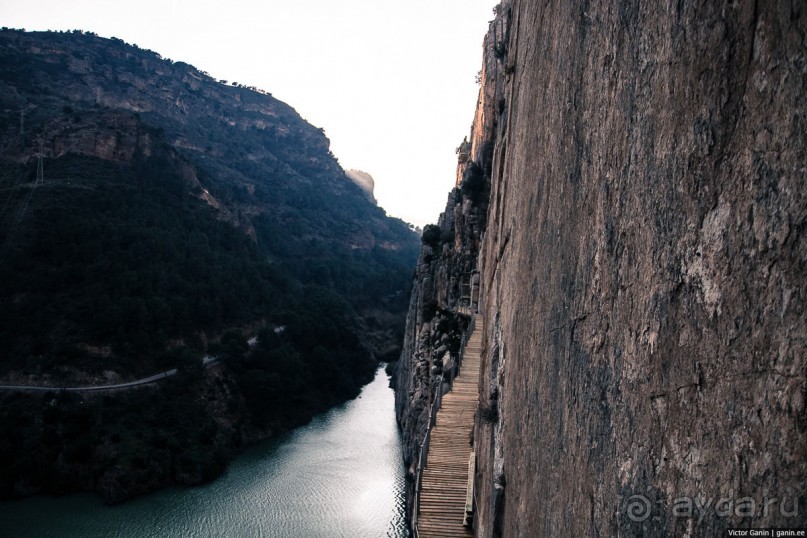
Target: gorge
x: 153, y: 216
x: 625, y: 239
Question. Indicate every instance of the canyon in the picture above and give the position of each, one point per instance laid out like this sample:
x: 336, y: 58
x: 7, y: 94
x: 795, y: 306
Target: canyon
x: 152, y: 216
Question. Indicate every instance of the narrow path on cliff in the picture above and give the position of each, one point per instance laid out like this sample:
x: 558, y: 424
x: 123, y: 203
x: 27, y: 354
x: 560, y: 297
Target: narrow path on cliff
x: 441, y: 509
x: 207, y: 360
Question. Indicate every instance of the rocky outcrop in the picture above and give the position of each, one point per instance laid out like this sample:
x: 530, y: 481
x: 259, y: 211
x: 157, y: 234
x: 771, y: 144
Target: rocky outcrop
x: 363, y: 180
x: 642, y: 270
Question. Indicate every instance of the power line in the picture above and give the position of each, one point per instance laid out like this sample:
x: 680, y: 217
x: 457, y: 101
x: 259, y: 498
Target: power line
x: 40, y: 171
x: 15, y: 225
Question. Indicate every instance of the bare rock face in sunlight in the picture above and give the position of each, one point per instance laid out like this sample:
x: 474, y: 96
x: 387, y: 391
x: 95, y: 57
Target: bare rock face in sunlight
x: 363, y: 180
x: 642, y: 271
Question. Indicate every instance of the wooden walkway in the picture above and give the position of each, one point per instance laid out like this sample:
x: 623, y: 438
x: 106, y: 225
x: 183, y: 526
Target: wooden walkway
x: 445, y: 477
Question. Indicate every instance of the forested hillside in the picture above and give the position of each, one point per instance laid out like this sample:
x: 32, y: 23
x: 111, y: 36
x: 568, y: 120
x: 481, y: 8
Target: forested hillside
x: 177, y: 216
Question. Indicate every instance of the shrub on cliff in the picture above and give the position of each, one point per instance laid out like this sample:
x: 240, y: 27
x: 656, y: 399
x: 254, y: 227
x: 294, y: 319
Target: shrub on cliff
x: 431, y: 236
x: 474, y: 184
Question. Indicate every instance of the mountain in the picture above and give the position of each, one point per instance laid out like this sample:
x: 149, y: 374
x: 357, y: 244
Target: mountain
x: 629, y: 224
x: 175, y: 216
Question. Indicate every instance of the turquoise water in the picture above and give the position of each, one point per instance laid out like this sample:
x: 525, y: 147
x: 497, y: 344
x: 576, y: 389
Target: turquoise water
x: 341, y: 475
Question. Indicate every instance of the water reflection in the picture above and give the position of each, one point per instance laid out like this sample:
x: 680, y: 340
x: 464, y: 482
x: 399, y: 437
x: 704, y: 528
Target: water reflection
x: 341, y: 475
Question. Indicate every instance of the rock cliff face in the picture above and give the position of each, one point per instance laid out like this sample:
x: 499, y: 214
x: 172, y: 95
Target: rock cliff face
x: 363, y: 180
x: 641, y: 270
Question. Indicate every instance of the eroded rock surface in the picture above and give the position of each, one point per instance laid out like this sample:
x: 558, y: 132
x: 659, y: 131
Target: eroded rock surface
x: 642, y: 266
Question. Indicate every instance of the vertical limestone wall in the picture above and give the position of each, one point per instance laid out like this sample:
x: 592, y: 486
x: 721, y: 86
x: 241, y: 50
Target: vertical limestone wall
x: 643, y: 271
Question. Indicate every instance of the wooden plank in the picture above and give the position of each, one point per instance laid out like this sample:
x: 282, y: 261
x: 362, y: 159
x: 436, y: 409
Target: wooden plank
x: 469, y: 493
x: 445, y: 480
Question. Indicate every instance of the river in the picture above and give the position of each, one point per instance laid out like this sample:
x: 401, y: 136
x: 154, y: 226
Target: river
x: 340, y: 475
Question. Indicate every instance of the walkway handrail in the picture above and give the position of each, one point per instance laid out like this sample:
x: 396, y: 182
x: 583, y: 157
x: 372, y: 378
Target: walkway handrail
x: 465, y: 338
x: 435, y: 407
x: 424, y: 452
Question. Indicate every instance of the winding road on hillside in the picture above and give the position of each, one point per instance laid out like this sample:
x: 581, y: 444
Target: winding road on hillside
x: 206, y: 361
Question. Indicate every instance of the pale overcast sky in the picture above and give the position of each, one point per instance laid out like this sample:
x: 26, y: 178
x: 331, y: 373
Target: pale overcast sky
x: 390, y: 81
